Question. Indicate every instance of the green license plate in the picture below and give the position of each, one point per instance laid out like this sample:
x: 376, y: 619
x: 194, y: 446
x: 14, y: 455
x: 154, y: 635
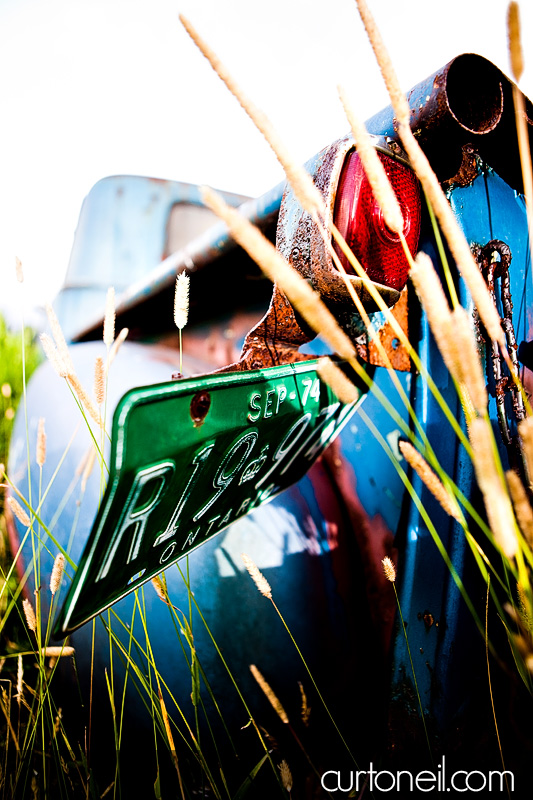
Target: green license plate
x: 188, y: 458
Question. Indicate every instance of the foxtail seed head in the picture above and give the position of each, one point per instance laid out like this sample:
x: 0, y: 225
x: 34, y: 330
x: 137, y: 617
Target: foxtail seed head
x: 399, y: 103
x: 286, y: 776
x: 29, y: 613
x: 515, y: 44
x: 269, y: 694
x: 181, y: 300
x: 257, y: 576
x: 430, y: 479
x: 99, y: 380
x: 389, y: 569
x: 497, y: 503
x: 337, y: 380
x: 18, y: 511
x: 57, y: 573
x: 53, y: 356
x: 301, y: 182
x: 40, y: 455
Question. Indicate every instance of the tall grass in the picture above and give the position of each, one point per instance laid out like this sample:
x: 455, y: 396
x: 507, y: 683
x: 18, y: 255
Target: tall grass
x: 39, y: 751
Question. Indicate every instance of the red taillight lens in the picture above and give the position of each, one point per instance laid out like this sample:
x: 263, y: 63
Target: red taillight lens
x: 360, y: 220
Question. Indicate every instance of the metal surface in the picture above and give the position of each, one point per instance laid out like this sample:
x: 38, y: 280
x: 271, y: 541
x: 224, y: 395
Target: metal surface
x: 468, y: 101
x: 188, y: 459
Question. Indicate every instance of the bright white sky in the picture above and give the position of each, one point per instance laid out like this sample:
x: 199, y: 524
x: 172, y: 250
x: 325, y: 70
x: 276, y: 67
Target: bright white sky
x: 91, y: 88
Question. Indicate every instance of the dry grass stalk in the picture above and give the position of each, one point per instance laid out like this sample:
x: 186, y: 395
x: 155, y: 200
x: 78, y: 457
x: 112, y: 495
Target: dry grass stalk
x: 430, y: 479
x: 497, y: 503
x: 300, y: 294
x: 389, y: 569
x: 452, y: 332
x: 450, y: 228
x: 99, y: 380
x: 523, y: 608
x: 394, y: 89
x: 84, y: 398
x: 20, y: 675
x: 59, y: 338
x: 455, y: 237
x: 337, y: 381
x: 521, y: 504
x: 269, y: 694
x: 181, y: 300
x: 40, y: 454
x: 461, y: 356
x: 57, y: 573
x: 53, y: 356
x: 166, y: 723
x: 374, y: 169
x: 302, y: 184
x: 286, y: 776
x: 306, y: 708
x: 515, y: 44
x: 57, y: 651
x: 29, y: 613
x: 257, y: 576
x: 115, y: 348
x: 525, y: 432
x: 18, y: 511
x: 157, y: 583
x: 18, y: 270
x: 430, y: 293
x: 109, y: 318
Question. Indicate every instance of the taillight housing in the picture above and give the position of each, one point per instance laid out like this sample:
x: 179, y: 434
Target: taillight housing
x: 360, y: 220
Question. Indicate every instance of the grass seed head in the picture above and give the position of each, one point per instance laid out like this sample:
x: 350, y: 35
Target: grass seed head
x: 337, y: 381
x: 53, y: 356
x: 181, y: 300
x: 18, y: 511
x: 40, y: 456
x: 257, y: 576
x: 430, y: 479
x: 301, y: 182
x: 399, y: 103
x: 59, y: 338
x: 515, y: 44
x: 521, y: 504
x: 389, y: 569
x: 115, y: 348
x: 286, y: 776
x: 18, y: 270
x: 525, y: 432
x: 497, y: 503
x: 57, y: 573
x: 29, y: 613
x: 269, y: 694
x: 99, y: 380
x: 20, y: 675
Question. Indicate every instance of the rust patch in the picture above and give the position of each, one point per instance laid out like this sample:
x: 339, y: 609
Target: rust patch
x: 397, y: 353
x: 468, y: 170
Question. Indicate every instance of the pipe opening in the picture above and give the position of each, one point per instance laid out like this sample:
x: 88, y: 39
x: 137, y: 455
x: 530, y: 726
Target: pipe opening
x: 474, y: 93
